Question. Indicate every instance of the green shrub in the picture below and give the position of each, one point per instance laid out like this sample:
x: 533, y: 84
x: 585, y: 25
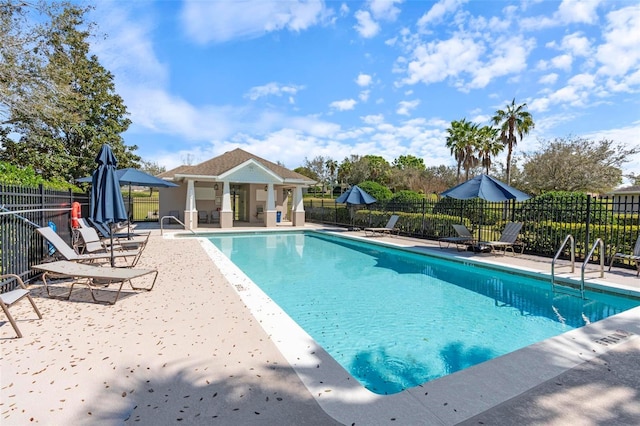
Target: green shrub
x: 377, y: 191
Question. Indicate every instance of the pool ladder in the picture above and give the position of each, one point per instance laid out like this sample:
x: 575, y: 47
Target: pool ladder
x: 569, y: 239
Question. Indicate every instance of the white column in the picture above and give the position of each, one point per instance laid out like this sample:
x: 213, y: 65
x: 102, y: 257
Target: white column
x: 270, y: 214
x: 271, y: 203
x: 226, y: 214
x: 226, y: 197
x: 298, y: 214
x: 190, y: 212
x: 299, y: 200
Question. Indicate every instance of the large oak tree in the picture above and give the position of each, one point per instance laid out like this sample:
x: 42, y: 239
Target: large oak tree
x: 75, y: 109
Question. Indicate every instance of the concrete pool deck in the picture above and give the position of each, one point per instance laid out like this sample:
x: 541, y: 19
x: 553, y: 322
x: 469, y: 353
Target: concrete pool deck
x: 191, y: 351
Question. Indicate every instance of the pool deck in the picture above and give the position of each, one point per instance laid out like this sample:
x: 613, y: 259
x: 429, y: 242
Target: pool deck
x: 203, y: 348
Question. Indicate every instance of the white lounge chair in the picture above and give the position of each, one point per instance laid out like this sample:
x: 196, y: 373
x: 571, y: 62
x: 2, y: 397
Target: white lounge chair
x: 635, y: 256
x: 94, y: 277
x: 507, y: 240
x: 464, y: 238
x: 389, y: 228
x: 11, y: 297
x: 68, y: 253
x: 90, y: 242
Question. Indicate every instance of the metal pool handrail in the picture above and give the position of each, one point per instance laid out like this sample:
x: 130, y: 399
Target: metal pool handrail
x: 572, y: 248
x: 177, y: 220
x: 597, y: 243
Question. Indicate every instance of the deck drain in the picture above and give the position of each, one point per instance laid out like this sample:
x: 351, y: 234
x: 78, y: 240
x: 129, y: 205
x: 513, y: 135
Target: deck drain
x: 614, y: 338
x: 240, y: 287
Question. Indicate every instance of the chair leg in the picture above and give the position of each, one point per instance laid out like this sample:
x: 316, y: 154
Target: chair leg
x: 35, y: 308
x: 11, y: 320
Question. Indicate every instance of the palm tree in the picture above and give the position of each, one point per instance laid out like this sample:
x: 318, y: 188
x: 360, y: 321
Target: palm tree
x: 512, y: 122
x: 332, y: 166
x: 462, y: 143
x: 489, y: 145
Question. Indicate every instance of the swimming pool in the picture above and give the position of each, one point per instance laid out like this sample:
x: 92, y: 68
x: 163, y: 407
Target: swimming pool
x: 396, y: 319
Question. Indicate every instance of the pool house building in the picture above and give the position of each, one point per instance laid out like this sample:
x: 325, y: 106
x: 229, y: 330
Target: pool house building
x: 235, y: 187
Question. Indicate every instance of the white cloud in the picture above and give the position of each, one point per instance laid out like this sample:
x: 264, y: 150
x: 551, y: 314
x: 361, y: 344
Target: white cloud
x: 384, y: 9
x: 460, y: 57
x: 373, y: 119
x: 221, y: 21
x: 438, y: 11
x: 568, y: 12
x: 508, y: 56
x: 562, y: 62
x: 548, y: 79
x: 405, y: 107
x: 343, y: 105
x: 435, y: 61
x: 366, y: 26
x: 364, y: 95
x: 363, y: 80
x: 578, y: 11
x: 576, y: 44
x: 128, y: 51
x: 274, y: 89
x: 620, y: 53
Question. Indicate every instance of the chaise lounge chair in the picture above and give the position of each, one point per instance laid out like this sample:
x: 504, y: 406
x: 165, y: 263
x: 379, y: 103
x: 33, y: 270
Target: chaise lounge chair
x: 507, y: 240
x: 389, y: 228
x: 635, y: 256
x: 93, y: 277
x: 464, y: 238
x: 65, y: 251
x: 90, y: 242
x: 11, y: 297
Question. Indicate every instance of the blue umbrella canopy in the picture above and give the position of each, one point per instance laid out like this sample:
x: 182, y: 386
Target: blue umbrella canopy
x: 131, y: 176
x: 106, y: 204
x: 356, y: 195
x: 486, y: 188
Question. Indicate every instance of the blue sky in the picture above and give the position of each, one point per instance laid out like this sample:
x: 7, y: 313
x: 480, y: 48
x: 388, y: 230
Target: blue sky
x: 289, y: 80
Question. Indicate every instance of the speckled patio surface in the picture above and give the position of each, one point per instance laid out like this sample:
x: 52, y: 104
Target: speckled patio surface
x: 192, y: 352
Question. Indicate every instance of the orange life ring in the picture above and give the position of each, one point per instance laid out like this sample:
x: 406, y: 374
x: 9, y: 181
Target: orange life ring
x: 75, y: 214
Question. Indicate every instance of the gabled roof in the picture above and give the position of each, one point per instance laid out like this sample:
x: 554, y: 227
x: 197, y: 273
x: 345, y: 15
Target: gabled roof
x: 218, y: 166
x: 635, y: 189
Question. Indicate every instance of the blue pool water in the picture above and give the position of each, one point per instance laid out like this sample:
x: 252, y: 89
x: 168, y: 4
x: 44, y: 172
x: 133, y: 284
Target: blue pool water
x: 395, y: 319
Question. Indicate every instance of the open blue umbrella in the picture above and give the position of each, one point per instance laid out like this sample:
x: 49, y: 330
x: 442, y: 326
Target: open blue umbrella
x: 486, y: 188
x: 131, y: 176
x: 106, y: 204
x: 355, y: 196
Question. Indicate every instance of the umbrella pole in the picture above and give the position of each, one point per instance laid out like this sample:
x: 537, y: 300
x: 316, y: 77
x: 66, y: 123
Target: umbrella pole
x: 130, y: 215
x: 113, y: 260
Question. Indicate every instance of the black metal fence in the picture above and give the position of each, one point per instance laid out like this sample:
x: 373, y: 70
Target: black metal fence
x: 546, y: 220
x: 22, y: 209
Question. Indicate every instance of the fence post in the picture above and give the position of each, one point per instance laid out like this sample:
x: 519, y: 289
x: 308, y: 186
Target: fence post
x: 424, y: 208
x: 588, y: 224
x: 42, y: 204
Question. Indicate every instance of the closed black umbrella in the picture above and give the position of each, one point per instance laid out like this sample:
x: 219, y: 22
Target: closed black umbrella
x: 106, y: 204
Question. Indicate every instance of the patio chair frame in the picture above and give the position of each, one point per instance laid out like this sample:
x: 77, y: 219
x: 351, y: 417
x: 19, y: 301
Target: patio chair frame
x: 11, y: 297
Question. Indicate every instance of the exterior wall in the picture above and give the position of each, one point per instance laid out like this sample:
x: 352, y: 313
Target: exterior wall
x: 173, y: 199
x: 627, y: 203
